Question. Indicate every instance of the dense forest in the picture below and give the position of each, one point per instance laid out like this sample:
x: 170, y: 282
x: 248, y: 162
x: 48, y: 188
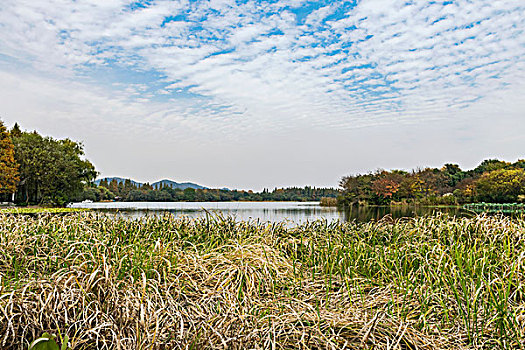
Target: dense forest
x: 131, y: 192
x: 493, y: 181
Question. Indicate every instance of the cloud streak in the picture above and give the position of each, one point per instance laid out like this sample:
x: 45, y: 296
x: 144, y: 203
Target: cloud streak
x: 199, y: 69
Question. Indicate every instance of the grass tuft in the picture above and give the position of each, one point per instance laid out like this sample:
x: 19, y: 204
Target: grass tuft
x: 434, y: 282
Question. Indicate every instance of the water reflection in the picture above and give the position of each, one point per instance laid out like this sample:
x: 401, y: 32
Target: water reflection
x: 297, y: 212
x: 367, y: 213
x: 296, y: 215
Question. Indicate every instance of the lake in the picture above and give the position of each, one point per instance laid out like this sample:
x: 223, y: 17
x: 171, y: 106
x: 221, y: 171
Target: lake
x: 296, y: 212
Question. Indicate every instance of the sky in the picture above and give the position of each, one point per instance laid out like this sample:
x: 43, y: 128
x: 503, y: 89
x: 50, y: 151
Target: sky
x: 264, y: 94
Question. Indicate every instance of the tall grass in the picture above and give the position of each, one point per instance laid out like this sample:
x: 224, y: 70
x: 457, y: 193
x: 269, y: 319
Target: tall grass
x: 164, y: 283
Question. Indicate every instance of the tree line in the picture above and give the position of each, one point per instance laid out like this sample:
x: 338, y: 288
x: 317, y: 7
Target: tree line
x: 36, y: 169
x: 493, y: 181
x: 131, y: 192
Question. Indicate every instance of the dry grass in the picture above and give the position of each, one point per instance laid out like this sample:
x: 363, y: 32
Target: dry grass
x: 163, y: 283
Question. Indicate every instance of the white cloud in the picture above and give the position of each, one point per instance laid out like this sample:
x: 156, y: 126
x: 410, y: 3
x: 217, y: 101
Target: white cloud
x: 250, y: 69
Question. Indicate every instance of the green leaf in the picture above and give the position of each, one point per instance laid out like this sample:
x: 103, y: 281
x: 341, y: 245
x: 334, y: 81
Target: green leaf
x: 64, y: 342
x: 45, y: 342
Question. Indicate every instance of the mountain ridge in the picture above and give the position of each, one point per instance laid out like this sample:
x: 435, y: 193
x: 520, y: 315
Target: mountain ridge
x: 156, y: 184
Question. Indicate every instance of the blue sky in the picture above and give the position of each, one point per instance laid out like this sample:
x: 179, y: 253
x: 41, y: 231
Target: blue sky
x: 254, y: 94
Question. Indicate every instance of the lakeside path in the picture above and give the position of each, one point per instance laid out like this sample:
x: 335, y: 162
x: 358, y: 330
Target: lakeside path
x: 434, y: 282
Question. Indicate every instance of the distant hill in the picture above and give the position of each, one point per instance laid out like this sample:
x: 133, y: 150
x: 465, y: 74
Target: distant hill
x: 157, y: 184
x: 119, y: 180
x: 173, y: 184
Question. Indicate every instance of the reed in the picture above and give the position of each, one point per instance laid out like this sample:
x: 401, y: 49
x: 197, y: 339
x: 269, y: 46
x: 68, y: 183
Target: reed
x: 434, y: 282
x: 328, y: 202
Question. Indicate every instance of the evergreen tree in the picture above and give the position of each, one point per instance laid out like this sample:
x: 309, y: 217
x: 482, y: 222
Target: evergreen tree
x: 104, y: 183
x: 128, y: 186
x: 113, y: 187
x: 15, y: 131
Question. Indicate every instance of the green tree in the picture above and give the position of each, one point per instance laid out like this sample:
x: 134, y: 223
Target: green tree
x: 136, y: 195
x: 520, y: 164
x: 52, y: 171
x: 357, y: 188
x: 8, y: 166
x: 128, y: 186
x: 453, y: 173
x: 189, y: 194
x: 95, y: 193
x: 501, y: 186
x: 113, y: 187
x: 489, y: 165
x: 15, y: 131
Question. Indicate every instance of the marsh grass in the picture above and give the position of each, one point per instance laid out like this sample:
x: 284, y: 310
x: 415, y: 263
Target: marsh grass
x: 165, y: 283
x: 41, y: 210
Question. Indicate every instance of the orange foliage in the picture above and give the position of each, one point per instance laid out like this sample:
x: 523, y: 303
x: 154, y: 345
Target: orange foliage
x: 8, y: 166
x: 385, y: 187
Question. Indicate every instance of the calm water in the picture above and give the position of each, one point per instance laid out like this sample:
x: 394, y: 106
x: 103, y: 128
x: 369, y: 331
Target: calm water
x: 296, y: 212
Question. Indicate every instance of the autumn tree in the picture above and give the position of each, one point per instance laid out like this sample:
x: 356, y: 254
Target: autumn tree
x: 386, y: 185
x: 465, y: 190
x: 412, y: 186
x: 493, y: 180
x: 435, y: 182
x: 8, y: 166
